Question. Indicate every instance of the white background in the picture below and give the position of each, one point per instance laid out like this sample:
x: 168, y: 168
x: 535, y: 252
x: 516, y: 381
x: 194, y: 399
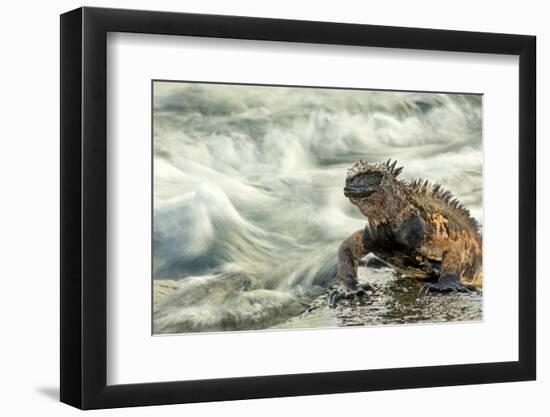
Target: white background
x: 29, y: 210
x: 134, y: 356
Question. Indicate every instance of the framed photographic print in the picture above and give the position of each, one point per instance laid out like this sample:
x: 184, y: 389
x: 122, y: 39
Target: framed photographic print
x: 257, y: 207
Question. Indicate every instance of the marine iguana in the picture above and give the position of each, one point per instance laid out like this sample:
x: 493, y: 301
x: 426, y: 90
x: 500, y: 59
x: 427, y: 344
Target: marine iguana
x: 417, y: 228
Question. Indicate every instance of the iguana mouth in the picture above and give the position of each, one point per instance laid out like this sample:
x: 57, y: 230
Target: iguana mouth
x: 359, y: 191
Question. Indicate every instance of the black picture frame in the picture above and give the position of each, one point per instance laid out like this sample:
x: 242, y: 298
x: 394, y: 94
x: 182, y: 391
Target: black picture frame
x: 84, y: 207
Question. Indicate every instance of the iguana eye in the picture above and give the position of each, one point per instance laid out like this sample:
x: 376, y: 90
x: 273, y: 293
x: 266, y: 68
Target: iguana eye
x: 374, y: 179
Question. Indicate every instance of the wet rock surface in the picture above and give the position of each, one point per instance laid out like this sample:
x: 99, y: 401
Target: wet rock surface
x: 393, y: 300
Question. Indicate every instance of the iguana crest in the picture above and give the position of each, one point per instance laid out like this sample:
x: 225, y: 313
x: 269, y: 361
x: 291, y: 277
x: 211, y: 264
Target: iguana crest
x: 419, y: 187
x: 437, y: 192
x: 362, y: 167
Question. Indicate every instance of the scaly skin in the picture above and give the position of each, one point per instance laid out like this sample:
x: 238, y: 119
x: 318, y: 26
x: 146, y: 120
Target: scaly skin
x: 416, y: 227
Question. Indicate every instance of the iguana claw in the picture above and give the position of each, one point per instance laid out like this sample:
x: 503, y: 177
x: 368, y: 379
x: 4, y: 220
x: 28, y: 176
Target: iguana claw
x: 443, y: 286
x: 338, y: 293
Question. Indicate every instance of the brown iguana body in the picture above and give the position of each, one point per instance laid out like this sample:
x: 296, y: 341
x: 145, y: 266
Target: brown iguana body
x: 416, y: 227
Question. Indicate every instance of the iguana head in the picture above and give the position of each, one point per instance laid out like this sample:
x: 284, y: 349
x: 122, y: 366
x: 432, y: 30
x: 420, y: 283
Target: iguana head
x: 375, y: 189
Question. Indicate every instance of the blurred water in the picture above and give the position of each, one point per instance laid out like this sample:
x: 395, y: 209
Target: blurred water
x: 248, y: 202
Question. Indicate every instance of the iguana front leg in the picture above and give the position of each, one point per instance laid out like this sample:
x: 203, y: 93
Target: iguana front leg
x: 449, y: 276
x: 349, y: 254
